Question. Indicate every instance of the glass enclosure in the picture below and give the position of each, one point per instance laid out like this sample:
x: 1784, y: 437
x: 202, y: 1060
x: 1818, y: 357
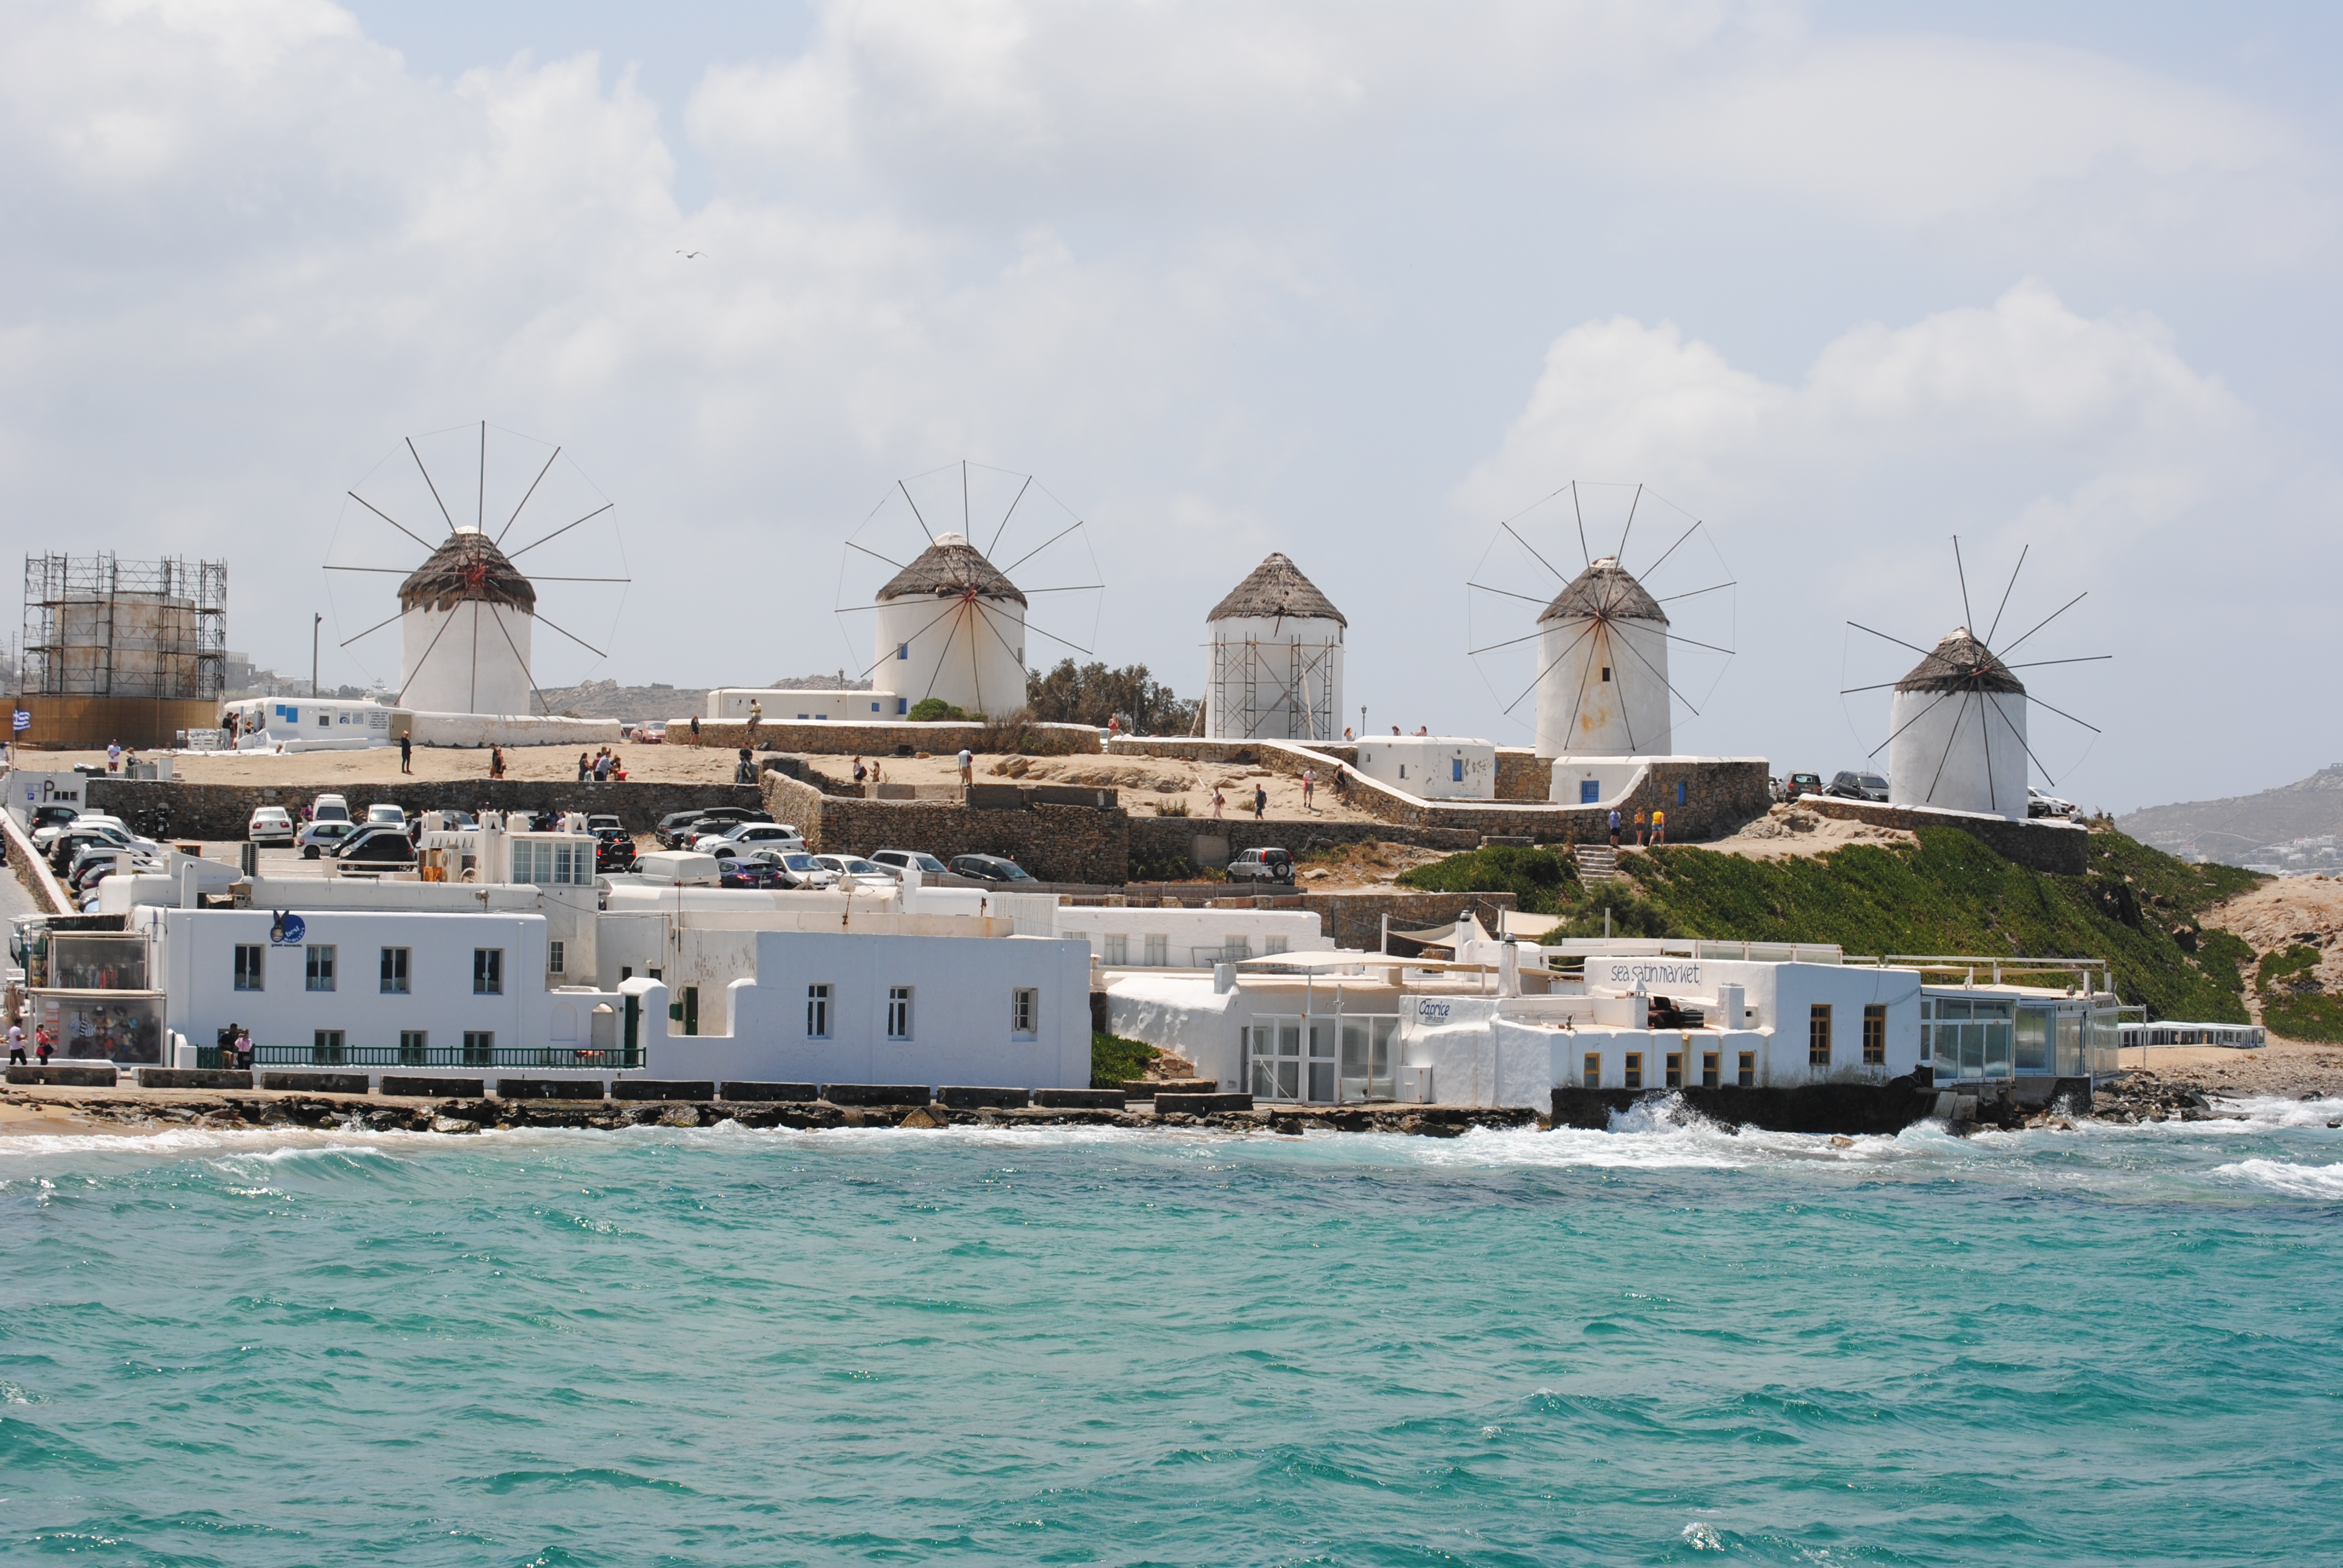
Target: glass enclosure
x: 1969, y: 1039
x: 1973, y: 1039
x: 86, y: 960
x: 104, y: 1027
x: 1324, y: 1059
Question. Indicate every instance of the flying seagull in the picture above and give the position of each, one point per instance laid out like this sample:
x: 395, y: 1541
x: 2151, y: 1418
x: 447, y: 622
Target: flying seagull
x: 691, y: 254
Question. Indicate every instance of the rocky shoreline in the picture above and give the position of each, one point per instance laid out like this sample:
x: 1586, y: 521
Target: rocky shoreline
x: 62, y: 1110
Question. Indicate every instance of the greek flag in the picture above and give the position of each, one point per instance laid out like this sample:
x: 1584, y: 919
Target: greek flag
x: 23, y: 720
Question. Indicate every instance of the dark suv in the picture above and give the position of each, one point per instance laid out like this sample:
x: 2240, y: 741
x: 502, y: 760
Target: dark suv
x: 1852, y: 785
x: 989, y: 869
x: 1262, y: 866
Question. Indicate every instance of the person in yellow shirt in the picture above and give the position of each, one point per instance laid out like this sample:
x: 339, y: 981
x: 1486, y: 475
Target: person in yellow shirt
x: 1659, y: 826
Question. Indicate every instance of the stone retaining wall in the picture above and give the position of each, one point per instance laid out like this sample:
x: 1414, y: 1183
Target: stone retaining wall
x: 1163, y: 844
x: 2044, y: 844
x: 1523, y: 776
x: 871, y: 738
x: 222, y: 812
x: 1056, y: 843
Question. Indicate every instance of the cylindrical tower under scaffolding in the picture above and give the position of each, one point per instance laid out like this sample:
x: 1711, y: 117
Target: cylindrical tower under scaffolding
x: 1276, y: 659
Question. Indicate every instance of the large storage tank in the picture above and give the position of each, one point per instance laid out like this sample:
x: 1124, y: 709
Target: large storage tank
x: 132, y: 652
x: 1276, y: 659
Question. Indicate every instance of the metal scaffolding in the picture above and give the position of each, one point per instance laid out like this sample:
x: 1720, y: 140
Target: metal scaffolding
x: 98, y: 626
x: 1274, y: 690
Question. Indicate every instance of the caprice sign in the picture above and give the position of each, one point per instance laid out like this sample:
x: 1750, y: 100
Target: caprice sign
x: 1652, y: 971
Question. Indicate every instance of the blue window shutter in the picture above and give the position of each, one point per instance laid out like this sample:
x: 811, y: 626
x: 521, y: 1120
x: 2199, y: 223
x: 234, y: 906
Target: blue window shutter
x: 1590, y: 790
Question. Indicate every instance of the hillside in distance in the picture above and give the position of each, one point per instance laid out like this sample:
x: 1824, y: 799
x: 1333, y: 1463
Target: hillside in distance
x: 2268, y: 829
x: 609, y: 700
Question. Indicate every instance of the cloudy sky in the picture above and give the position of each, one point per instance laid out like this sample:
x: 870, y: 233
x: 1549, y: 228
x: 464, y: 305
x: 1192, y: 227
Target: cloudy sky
x: 1352, y: 281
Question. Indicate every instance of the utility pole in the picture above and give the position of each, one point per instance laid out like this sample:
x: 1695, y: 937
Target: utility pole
x: 315, y: 621
x: 1363, y: 722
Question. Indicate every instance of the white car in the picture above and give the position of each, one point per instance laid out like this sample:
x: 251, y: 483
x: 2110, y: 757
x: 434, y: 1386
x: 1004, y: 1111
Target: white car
x: 854, y: 871
x: 329, y: 808
x: 762, y: 836
x: 2038, y: 804
x: 383, y: 813
x: 893, y: 862
x: 270, y: 825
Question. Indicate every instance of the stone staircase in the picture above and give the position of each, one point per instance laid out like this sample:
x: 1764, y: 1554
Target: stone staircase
x: 1597, y: 863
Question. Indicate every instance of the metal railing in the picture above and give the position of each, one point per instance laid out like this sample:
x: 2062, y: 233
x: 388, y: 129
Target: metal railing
x: 581, y: 1058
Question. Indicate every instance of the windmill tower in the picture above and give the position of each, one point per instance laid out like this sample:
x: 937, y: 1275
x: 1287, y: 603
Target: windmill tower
x: 1956, y: 735
x: 465, y: 620
x: 1958, y: 732
x: 1277, y: 659
x: 952, y: 625
x: 1602, y: 644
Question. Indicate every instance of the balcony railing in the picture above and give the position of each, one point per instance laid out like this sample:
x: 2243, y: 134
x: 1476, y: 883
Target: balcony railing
x: 587, y: 1059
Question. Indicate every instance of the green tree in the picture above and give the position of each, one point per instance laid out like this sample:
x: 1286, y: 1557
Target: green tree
x: 1092, y: 694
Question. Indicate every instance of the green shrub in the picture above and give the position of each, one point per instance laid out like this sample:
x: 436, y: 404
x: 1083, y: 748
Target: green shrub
x: 2293, y: 1004
x: 1172, y: 809
x: 1115, y: 1060
x: 935, y: 710
x: 1542, y: 882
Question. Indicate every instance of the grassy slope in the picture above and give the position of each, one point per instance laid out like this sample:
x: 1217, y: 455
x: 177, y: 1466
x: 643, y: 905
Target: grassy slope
x: 1116, y: 1061
x: 2137, y: 907
x: 2298, y: 1013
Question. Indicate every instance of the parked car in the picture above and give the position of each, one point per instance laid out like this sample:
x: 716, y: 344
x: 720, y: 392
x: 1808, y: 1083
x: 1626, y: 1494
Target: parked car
x: 319, y: 838
x: 377, y: 848
x: 45, y: 837
x: 796, y: 868
x: 652, y: 734
x: 1850, y: 786
x: 86, y: 833
x: 614, y: 850
x: 749, y: 872
x: 597, y: 821
x: 50, y: 820
x: 384, y: 812
x: 2038, y: 804
x: 768, y: 835
x: 895, y: 861
x: 1804, y: 784
x: 95, y: 860
x: 329, y: 808
x: 269, y: 825
x: 989, y: 869
x: 676, y: 828
x: 1261, y: 865
x: 855, y: 870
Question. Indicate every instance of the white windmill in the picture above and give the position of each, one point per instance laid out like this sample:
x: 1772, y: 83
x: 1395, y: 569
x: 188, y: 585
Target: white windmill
x: 1957, y: 722
x: 467, y: 614
x: 950, y: 624
x: 1611, y: 655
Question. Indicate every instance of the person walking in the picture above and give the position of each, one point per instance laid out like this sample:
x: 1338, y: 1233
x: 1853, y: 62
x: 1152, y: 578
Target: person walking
x: 695, y: 730
x: 966, y: 768
x: 495, y: 761
x: 1260, y: 801
x: 585, y: 768
x: 113, y: 756
x: 1659, y: 826
x: 44, y: 1045
x: 861, y: 774
x: 16, y: 1043
x: 1615, y: 827
x: 1309, y: 789
x: 406, y: 754
x: 1217, y: 802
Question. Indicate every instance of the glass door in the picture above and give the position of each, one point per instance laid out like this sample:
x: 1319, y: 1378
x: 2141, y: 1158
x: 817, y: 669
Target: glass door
x: 1273, y: 1054
x: 1367, y: 1058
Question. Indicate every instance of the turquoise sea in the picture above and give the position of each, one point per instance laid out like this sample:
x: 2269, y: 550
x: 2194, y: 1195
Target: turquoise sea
x: 1662, y: 1343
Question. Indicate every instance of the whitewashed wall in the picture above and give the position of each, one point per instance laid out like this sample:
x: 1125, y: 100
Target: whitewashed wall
x: 1432, y: 768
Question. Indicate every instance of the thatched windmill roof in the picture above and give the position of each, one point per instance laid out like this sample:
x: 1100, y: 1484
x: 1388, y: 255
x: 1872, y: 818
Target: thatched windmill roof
x: 1961, y: 663
x: 950, y: 568
x: 1604, y: 591
x: 1277, y: 590
x: 467, y: 565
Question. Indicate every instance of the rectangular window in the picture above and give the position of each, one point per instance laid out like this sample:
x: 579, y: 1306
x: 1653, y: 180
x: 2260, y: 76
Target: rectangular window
x: 1235, y: 949
x: 479, y: 1048
x: 1680, y: 791
x: 1590, y: 791
x: 1634, y: 1069
x: 902, y: 706
x: 898, y: 1012
x: 487, y: 971
x: 1590, y: 1072
x: 556, y: 958
x: 321, y: 967
x: 1456, y: 770
x: 326, y: 1047
x: 1748, y: 1077
x: 1708, y: 1069
x: 247, y: 967
x: 1818, y: 1035
x: 412, y: 1045
x: 902, y: 650
x: 1272, y: 945
x: 1118, y: 949
x: 1158, y: 954
x: 1024, y: 1012
x: 394, y: 971
x: 1675, y: 1070
x: 816, y: 1012
x: 1875, y: 1035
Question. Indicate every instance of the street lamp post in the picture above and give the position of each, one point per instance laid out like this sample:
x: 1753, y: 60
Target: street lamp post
x: 316, y: 622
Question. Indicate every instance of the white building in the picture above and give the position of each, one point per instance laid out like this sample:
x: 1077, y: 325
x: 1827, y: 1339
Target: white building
x: 1136, y: 937
x: 782, y: 704
x: 1276, y: 671
x: 1603, y: 662
x: 1957, y: 732
x: 465, y: 621
x: 952, y: 626
x: 1430, y: 767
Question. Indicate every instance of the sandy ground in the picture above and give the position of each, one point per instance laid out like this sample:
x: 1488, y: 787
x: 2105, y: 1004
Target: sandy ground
x: 2282, y: 1067
x: 21, y: 1115
x: 323, y: 771
x: 1784, y: 831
